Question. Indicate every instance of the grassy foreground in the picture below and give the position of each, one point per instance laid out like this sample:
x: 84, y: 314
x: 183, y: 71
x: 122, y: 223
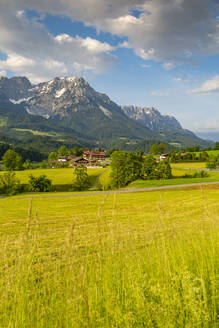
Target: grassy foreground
x: 127, y: 260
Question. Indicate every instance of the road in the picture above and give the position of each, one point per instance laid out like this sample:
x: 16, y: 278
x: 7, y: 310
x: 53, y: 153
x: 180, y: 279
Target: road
x: 123, y: 191
x: 195, y: 169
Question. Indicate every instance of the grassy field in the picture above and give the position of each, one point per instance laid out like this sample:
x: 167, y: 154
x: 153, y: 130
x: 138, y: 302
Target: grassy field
x: 128, y: 260
x: 178, y: 179
x: 210, y: 152
x: 191, y: 165
x: 62, y: 179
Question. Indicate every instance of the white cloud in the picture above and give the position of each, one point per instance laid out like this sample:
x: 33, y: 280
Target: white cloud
x: 3, y: 73
x: 168, y: 66
x: 32, y: 51
x: 48, y: 68
x: 177, y: 79
x: 160, y: 94
x: 209, y: 87
x: 169, y: 31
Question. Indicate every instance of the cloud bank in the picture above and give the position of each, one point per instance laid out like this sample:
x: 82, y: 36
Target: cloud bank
x: 168, y: 31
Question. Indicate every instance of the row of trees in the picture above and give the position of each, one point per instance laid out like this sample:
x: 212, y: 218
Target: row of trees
x: 127, y: 167
x: 177, y: 156
x: 63, y: 151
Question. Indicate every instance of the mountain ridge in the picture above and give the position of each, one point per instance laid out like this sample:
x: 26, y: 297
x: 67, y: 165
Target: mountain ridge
x: 71, y: 103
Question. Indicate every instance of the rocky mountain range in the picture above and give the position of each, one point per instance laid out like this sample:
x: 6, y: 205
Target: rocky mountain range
x: 71, y: 104
x: 151, y: 118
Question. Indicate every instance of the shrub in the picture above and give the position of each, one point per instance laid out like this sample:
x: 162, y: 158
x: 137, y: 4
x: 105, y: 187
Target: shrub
x: 82, y: 181
x: 39, y: 184
x: 9, y: 184
x: 201, y: 174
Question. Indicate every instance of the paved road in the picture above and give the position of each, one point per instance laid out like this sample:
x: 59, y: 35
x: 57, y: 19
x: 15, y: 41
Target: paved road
x: 194, y: 169
x: 124, y: 191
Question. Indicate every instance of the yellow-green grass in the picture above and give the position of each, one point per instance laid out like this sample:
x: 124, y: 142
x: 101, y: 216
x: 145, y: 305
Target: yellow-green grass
x: 60, y: 177
x: 178, y: 179
x: 37, y: 133
x: 128, y: 260
x: 211, y: 152
x: 192, y: 165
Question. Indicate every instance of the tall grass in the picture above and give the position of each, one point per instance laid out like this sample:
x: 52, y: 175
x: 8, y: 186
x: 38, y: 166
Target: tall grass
x: 122, y: 267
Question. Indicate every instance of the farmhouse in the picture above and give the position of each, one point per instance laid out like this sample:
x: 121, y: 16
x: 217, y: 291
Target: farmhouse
x: 63, y: 159
x: 80, y: 161
x: 163, y: 157
x: 90, y: 155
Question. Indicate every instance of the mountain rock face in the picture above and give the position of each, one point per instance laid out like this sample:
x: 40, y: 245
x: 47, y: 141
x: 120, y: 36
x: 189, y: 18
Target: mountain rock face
x: 72, y: 103
x: 72, y: 106
x: 152, y: 118
x: 15, y: 88
x: 56, y: 97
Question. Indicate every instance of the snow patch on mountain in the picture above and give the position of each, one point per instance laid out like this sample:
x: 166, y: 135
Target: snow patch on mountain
x: 59, y: 93
x: 106, y: 111
x: 19, y: 101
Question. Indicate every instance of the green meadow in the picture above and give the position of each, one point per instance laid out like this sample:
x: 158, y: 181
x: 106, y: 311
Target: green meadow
x: 123, y: 260
x: 211, y: 152
x: 62, y: 179
x: 190, y: 165
x: 178, y: 179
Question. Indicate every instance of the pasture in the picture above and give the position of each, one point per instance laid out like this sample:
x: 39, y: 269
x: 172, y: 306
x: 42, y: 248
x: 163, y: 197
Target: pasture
x: 178, y: 179
x: 211, y: 152
x: 125, y: 260
x: 190, y: 165
x: 62, y: 179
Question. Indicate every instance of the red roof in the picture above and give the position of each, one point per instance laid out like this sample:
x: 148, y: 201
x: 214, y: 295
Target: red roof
x: 102, y: 153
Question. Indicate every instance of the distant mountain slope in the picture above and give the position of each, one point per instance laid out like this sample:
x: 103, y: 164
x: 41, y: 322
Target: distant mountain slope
x: 152, y: 118
x: 15, y: 87
x: 71, y: 107
x: 72, y: 103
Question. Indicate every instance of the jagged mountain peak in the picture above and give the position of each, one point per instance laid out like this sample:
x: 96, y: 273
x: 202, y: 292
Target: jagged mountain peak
x: 152, y: 118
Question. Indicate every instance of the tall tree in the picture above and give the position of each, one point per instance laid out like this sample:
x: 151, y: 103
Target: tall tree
x: 12, y: 161
x: 154, y: 149
x: 82, y: 179
x: 62, y: 151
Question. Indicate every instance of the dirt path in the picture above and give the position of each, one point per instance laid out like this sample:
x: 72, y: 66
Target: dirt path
x: 124, y: 191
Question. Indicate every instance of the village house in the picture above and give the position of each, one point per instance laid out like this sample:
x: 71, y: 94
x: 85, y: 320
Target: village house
x: 163, y: 157
x: 63, y: 159
x: 92, y: 155
x: 79, y: 161
x: 89, y: 159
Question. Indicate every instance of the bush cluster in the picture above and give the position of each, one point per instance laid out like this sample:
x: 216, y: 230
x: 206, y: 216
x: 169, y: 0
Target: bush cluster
x: 213, y: 162
x: 127, y: 167
x: 39, y: 184
x: 9, y: 184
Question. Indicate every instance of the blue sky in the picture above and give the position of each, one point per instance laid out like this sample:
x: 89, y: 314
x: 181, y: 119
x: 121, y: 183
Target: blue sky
x: 162, y: 53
